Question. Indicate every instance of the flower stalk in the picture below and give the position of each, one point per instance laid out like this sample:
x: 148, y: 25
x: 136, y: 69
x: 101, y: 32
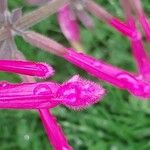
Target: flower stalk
x: 43, y: 42
x: 32, y: 18
x: 54, y: 132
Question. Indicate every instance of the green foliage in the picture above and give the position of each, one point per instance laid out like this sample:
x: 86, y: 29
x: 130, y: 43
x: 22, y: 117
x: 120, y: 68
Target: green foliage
x: 119, y: 122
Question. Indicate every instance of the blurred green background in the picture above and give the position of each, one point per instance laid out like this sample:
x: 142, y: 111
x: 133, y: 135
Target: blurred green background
x: 119, y: 122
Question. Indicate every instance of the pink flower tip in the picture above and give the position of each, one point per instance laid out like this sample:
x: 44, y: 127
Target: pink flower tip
x: 79, y: 93
x: 41, y: 70
x: 46, y: 70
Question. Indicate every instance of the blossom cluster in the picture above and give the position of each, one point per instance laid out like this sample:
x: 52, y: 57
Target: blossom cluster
x: 76, y: 93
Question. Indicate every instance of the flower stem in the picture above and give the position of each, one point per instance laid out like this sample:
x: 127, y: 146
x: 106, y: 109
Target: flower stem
x: 38, y: 15
x: 32, y: 18
x: 43, y: 42
x: 54, y: 131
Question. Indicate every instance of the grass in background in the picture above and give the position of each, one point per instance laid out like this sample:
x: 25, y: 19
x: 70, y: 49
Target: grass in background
x: 119, y: 122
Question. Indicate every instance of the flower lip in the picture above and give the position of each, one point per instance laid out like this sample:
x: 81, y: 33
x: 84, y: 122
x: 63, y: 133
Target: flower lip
x: 79, y: 93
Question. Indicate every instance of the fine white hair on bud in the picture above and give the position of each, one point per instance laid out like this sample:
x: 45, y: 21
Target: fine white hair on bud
x: 44, y: 43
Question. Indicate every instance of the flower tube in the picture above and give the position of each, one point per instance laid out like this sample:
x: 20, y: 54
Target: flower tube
x: 76, y: 93
x: 27, y: 68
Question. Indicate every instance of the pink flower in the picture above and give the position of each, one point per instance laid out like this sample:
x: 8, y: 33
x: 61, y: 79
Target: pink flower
x: 135, y: 84
x: 67, y: 18
x: 44, y: 95
x: 41, y: 70
x: 76, y: 93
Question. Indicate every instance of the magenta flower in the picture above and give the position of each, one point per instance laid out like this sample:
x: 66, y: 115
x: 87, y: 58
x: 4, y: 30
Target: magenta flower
x: 80, y: 9
x: 76, y: 93
x: 136, y: 84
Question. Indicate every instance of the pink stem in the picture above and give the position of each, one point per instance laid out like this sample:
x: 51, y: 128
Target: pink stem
x: 123, y: 28
x: 126, y: 8
x: 54, y: 131
x: 137, y: 7
x: 145, y: 24
x: 26, y: 68
x: 43, y: 42
x: 139, y: 52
